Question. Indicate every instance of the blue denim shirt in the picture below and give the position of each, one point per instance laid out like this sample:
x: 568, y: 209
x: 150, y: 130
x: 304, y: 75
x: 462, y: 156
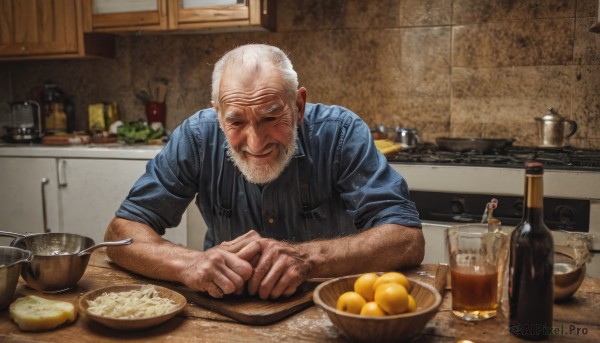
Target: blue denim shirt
x: 337, y: 183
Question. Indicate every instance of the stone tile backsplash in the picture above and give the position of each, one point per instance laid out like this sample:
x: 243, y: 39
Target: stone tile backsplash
x: 463, y: 68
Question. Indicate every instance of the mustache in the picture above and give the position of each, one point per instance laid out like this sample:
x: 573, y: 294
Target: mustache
x: 265, y: 151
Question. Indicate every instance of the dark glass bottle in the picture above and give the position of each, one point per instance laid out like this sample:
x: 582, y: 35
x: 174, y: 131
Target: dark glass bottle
x: 531, y: 264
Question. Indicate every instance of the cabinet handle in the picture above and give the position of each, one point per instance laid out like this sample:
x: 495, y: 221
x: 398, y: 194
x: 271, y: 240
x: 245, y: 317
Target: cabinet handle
x: 45, y: 181
x: 62, y: 173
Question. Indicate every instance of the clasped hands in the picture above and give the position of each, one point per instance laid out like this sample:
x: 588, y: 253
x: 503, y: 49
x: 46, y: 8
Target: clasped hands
x: 262, y: 266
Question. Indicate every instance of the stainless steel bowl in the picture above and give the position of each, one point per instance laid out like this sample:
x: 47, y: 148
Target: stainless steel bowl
x: 59, y: 259
x: 571, y: 253
x: 11, y: 262
x: 567, y: 276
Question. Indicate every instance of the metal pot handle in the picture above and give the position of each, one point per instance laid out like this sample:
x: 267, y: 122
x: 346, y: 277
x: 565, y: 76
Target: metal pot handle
x: 572, y: 127
x: 29, y: 257
x: 12, y: 234
x: 104, y: 244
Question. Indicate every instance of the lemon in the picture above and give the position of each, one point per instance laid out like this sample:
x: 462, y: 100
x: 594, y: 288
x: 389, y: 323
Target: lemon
x: 412, y: 305
x: 350, y: 302
x: 392, y: 277
x: 371, y: 309
x: 364, y: 285
x: 392, y: 298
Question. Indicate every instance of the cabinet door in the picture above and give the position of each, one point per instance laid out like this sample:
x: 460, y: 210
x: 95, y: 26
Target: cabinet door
x: 91, y: 191
x: 177, y: 15
x: 118, y: 15
x: 28, y: 184
x: 198, y: 14
x: 36, y: 27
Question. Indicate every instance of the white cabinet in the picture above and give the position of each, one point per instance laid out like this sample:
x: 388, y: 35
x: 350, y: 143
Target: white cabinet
x: 28, y: 184
x: 81, y: 196
x: 91, y: 190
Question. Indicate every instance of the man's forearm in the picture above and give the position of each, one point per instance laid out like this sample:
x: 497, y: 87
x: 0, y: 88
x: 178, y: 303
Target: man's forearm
x: 149, y: 255
x: 381, y: 248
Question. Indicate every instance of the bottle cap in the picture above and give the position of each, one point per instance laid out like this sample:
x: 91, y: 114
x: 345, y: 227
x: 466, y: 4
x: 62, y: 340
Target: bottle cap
x: 534, y: 167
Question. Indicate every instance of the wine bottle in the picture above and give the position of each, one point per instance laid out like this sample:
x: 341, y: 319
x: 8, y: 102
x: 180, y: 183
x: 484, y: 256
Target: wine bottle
x: 531, y: 263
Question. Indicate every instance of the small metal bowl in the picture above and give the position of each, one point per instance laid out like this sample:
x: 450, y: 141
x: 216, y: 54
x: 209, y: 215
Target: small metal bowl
x: 58, y: 260
x: 11, y: 263
x: 571, y: 253
x: 567, y: 276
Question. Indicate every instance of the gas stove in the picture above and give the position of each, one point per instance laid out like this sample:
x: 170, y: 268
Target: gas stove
x: 452, y: 188
x: 567, y: 158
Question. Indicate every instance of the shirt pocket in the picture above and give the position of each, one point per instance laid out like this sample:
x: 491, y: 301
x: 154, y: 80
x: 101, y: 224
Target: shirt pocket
x: 326, y: 220
x: 221, y: 224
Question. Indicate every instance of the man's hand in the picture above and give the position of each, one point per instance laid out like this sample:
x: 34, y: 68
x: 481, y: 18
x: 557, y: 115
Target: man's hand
x: 217, y: 272
x: 241, y: 242
x: 279, y: 268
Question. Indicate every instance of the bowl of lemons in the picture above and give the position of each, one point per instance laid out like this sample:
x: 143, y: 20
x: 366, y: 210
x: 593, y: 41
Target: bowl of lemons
x: 378, y: 307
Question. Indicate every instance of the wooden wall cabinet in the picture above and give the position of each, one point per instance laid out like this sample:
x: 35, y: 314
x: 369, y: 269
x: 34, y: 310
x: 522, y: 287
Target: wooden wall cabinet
x: 176, y: 15
x: 43, y: 29
x: 596, y: 26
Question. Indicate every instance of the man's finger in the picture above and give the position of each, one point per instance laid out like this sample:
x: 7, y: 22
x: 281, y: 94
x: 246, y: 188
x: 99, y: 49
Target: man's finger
x: 250, y: 251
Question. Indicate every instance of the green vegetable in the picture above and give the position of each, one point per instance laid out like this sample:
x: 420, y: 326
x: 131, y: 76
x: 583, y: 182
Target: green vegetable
x: 138, y: 131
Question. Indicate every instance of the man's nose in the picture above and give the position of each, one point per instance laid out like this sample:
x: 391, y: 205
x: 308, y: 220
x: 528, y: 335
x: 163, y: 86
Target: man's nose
x: 255, y: 137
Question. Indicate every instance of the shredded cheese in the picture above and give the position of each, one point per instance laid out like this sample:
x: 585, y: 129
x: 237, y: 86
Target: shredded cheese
x: 135, y: 304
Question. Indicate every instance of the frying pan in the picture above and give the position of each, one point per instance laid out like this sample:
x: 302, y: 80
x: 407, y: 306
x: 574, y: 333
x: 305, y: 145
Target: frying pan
x: 59, y: 259
x: 482, y: 145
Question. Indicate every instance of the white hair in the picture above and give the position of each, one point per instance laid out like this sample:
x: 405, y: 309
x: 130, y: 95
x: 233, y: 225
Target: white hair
x: 261, y: 52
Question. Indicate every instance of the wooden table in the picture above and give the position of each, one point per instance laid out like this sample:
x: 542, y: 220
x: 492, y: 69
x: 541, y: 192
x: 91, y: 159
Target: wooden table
x: 196, y: 324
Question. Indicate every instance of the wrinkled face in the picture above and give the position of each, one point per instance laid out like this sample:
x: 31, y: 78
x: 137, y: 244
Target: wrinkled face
x: 259, y: 122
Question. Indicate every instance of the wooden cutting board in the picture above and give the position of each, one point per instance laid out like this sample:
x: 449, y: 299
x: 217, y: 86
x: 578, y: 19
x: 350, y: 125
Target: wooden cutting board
x: 251, y: 309
x: 245, y: 309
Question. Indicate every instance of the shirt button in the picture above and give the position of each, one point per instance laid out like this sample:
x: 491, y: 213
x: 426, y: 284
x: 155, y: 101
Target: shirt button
x: 271, y: 220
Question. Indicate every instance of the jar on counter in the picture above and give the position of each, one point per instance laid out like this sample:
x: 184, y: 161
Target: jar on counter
x: 56, y: 120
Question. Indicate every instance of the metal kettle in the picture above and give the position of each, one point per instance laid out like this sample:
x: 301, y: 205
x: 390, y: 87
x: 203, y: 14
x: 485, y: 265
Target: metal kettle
x: 554, y: 128
x: 407, y: 137
x: 25, y: 121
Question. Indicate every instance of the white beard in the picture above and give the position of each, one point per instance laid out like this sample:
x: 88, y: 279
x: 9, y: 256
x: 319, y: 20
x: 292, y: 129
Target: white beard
x: 264, y: 173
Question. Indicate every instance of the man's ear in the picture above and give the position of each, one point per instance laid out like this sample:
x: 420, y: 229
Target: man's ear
x: 301, y: 104
x: 214, y: 106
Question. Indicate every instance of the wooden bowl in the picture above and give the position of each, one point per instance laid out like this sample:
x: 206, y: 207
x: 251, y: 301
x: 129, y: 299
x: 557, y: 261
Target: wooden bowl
x: 131, y: 324
x: 394, y: 328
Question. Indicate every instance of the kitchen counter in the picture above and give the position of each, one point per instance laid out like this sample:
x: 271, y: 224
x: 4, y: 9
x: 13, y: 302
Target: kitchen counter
x: 117, y: 151
x: 578, y: 319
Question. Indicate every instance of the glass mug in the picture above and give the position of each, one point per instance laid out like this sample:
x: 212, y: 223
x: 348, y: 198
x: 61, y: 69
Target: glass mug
x: 478, y: 256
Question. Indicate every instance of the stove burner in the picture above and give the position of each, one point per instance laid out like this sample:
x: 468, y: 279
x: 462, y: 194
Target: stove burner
x: 555, y: 158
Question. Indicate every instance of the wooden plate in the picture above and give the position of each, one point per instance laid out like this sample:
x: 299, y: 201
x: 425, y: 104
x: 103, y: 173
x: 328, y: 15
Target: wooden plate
x: 131, y: 324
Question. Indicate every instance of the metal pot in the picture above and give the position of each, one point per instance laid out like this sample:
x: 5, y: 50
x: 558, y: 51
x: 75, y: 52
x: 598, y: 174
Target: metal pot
x: 481, y: 145
x: 59, y: 259
x: 383, y: 132
x: 11, y: 263
x: 552, y: 127
x: 408, y: 138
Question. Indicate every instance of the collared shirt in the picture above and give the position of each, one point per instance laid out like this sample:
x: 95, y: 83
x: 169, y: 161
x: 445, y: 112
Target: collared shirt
x: 337, y: 183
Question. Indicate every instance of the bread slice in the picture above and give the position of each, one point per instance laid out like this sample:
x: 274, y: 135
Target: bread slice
x: 33, y: 313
